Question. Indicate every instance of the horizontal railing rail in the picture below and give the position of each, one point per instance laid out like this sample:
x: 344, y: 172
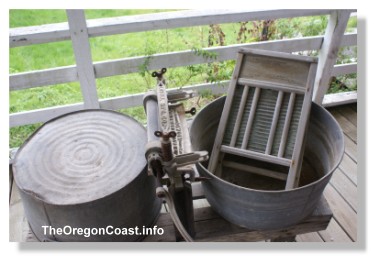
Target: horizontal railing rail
x: 111, y: 26
x: 166, y: 20
x: 122, y: 66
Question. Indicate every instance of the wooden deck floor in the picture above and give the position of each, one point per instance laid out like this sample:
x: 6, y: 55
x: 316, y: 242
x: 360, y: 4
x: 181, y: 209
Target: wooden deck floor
x: 341, y: 192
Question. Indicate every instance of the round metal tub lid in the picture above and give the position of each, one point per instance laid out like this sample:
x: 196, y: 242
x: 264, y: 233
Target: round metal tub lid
x: 81, y: 156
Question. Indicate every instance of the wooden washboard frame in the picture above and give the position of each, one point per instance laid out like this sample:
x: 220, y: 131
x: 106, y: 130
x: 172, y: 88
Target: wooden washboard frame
x: 266, y: 113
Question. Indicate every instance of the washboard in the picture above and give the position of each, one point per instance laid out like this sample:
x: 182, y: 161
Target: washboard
x: 266, y: 113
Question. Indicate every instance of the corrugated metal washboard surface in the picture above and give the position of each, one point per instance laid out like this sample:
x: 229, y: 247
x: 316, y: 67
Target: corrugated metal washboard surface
x: 266, y: 114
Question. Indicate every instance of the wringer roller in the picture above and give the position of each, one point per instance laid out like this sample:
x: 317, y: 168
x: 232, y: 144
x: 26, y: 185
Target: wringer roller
x: 169, y: 153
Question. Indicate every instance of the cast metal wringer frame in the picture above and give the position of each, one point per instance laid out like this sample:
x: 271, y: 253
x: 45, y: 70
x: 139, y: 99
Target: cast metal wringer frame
x: 169, y: 154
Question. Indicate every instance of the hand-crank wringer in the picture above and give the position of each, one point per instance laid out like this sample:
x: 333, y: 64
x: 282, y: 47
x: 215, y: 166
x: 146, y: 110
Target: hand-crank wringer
x: 169, y: 154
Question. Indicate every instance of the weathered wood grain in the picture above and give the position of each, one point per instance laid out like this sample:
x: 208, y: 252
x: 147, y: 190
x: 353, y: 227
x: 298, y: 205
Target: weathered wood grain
x: 128, y: 101
x: 334, y: 233
x: 121, y: 66
x: 41, y: 115
x: 115, y: 103
x: 346, y: 188
x: 351, y: 148
x: 343, y: 213
x: 349, y: 114
x: 16, y: 216
x: 349, y: 168
x: 342, y: 98
x: 329, y: 51
x: 288, y: 72
x: 118, y: 25
x: 309, y: 237
x: 38, y: 78
x: 343, y: 69
x: 221, y: 230
x: 348, y: 128
x: 215, y: 153
x: 83, y: 57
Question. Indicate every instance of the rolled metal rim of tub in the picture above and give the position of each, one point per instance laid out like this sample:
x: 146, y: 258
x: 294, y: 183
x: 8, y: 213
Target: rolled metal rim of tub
x: 102, y: 163
x: 70, y: 147
x: 212, y: 111
x: 314, y: 105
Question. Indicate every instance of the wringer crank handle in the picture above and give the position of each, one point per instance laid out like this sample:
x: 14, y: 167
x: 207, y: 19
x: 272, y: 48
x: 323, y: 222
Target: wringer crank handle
x: 169, y: 153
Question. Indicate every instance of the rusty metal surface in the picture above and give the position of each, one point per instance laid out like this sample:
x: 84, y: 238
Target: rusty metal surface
x: 86, y: 169
x: 249, y: 201
x: 171, y: 159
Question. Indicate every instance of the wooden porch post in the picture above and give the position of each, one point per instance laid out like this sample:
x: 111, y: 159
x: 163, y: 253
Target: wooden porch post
x: 329, y: 52
x: 82, y: 51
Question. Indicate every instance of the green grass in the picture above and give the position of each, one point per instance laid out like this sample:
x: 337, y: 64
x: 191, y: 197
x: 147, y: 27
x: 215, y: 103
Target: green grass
x: 43, y: 56
x: 34, y: 17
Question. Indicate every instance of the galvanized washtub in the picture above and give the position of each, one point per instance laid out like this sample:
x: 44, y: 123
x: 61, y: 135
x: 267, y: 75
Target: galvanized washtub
x: 260, y: 203
x: 85, y: 173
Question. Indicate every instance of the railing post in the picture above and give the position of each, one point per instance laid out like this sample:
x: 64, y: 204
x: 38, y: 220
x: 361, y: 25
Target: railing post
x: 329, y: 52
x: 82, y: 51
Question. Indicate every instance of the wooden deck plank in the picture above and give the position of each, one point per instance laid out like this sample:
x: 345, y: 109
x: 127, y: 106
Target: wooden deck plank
x: 351, y: 148
x: 200, y: 203
x: 16, y: 216
x: 349, y: 114
x: 348, y: 128
x: 218, y: 229
x: 354, y: 107
x: 344, y: 186
x: 341, y: 193
x: 343, y: 213
x: 309, y: 237
x: 349, y: 168
x: 334, y: 233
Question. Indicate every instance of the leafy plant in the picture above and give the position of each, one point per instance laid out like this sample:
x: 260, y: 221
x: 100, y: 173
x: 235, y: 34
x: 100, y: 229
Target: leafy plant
x: 216, y: 35
x: 255, y: 31
x: 143, y: 68
x: 205, y: 54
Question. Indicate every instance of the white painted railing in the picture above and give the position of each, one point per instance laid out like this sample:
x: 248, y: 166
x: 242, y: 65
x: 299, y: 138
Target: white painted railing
x: 86, y: 71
